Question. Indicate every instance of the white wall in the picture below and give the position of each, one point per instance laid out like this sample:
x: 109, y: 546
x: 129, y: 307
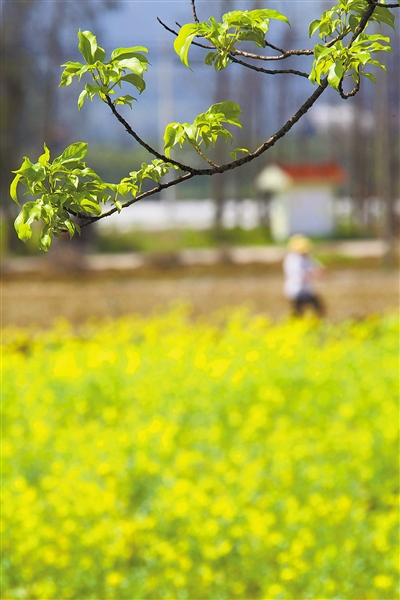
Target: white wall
x: 303, y: 210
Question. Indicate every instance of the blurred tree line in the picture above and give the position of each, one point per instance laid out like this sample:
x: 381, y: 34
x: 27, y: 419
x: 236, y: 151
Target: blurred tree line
x: 37, y: 36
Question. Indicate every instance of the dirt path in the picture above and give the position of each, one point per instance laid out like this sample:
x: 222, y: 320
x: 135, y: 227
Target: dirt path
x: 348, y: 293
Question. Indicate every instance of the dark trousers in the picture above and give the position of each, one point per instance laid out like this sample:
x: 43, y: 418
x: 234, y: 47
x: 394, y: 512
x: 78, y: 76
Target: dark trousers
x: 300, y: 303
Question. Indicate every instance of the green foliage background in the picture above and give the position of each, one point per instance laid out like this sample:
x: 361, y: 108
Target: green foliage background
x: 166, y: 458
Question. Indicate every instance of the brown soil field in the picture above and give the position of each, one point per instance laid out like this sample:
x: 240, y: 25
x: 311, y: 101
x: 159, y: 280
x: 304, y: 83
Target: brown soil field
x: 348, y: 292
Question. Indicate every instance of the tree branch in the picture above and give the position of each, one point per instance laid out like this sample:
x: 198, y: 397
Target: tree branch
x: 285, y: 54
x: 203, y: 156
x: 143, y: 143
x: 155, y: 190
x: 267, y: 71
x: 196, y: 20
x: 353, y: 92
x: 175, y: 33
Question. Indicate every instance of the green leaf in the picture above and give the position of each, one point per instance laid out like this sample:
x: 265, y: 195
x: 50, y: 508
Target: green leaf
x: 170, y: 135
x: 335, y: 74
x: 100, y: 54
x: 32, y: 172
x: 236, y: 150
x: 45, y: 157
x: 210, y: 58
x: 313, y: 27
x: 227, y: 111
x: 13, y: 188
x: 23, y: 230
x: 31, y: 212
x: 182, y: 43
x: 135, y: 80
x: 129, y: 53
x: 90, y: 206
x: 45, y: 238
x: 72, y: 67
x: 383, y: 15
x: 133, y: 64
x: 369, y: 76
x: 70, y: 228
x: 75, y: 151
x: 81, y: 98
x: 87, y: 45
x: 125, y: 100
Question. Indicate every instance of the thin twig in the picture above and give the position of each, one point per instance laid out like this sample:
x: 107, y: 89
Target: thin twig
x: 285, y: 54
x: 155, y: 190
x: 203, y: 156
x: 267, y: 71
x: 142, y: 142
x: 196, y: 20
x: 353, y: 92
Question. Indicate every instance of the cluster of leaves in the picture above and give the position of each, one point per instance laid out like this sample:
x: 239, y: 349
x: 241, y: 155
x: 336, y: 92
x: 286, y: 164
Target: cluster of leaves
x: 125, y: 65
x: 207, y: 128
x: 345, y: 17
x: 336, y: 60
x: 236, y: 26
x: 265, y: 455
x: 67, y: 188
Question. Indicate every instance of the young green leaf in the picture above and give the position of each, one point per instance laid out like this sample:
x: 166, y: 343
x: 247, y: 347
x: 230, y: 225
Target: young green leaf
x: 45, y: 238
x: 45, y: 157
x: 23, y: 230
x: 236, y: 150
x: 135, y: 80
x: 227, y: 112
x: 75, y: 151
x: 186, y: 35
x: 13, y: 188
x: 129, y: 53
x: 87, y: 46
x: 81, y: 98
x: 133, y: 64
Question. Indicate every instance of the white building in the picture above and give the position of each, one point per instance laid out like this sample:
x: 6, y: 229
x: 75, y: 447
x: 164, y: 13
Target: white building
x: 301, y: 197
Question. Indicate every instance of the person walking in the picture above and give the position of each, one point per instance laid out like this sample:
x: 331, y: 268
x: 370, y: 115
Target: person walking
x: 300, y: 270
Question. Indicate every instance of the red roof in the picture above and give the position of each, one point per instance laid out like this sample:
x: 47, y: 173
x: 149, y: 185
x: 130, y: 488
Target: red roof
x: 307, y: 172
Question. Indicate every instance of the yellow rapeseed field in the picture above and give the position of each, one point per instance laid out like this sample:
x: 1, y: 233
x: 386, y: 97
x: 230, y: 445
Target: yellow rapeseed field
x: 229, y: 459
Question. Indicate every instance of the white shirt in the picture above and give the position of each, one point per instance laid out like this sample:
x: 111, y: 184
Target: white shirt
x: 298, y: 270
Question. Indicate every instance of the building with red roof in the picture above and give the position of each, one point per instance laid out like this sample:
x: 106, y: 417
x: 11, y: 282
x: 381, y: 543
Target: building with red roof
x: 301, y: 197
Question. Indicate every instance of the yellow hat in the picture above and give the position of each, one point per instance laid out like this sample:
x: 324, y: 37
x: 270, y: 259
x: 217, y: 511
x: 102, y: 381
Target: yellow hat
x: 299, y: 243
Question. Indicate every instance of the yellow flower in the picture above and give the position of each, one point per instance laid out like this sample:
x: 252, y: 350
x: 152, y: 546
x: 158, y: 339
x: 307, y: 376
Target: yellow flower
x: 383, y: 582
x: 114, y: 579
